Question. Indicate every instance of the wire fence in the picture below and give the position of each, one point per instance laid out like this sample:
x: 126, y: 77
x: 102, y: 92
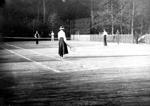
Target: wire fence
x: 122, y: 38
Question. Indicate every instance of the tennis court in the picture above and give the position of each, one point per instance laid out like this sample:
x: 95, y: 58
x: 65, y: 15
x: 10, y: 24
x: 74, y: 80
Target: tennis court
x: 91, y: 74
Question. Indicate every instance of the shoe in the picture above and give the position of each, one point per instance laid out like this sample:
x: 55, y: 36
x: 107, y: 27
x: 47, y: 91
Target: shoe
x: 61, y: 58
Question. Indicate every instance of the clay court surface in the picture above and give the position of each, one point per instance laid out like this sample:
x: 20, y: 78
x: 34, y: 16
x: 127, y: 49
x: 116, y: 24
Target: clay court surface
x: 91, y: 74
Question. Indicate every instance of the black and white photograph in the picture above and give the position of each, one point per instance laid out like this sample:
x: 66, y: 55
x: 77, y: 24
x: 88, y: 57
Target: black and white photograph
x: 74, y: 52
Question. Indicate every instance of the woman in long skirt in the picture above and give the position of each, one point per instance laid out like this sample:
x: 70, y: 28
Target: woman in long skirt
x: 105, y: 37
x: 62, y: 49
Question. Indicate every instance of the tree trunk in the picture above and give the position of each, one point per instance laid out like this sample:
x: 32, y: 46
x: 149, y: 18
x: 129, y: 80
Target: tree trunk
x: 141, y: 25
x: 112, y: 18
x: 121, y: 18
x: 132, y: 22
x: 44, y: 11
x: 92, y: 17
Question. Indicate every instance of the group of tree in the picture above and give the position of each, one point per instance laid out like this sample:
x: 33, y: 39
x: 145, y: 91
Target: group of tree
x: 127, y: 16
x: 25, y: 16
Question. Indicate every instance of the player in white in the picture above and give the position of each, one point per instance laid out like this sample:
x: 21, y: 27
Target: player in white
x: 62, y: 42
x: 52, y: 36
x: 105, y: 34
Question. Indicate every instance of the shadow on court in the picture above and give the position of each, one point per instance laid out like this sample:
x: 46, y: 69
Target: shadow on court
x: 7, y: 81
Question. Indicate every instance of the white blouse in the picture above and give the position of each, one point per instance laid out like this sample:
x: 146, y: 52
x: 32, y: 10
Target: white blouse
x: 61, y: 33
x: 105, y: 33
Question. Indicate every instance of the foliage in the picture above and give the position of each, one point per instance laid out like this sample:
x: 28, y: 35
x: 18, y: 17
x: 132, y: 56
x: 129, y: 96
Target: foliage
x: 116, y: 15
x: 110, y: 14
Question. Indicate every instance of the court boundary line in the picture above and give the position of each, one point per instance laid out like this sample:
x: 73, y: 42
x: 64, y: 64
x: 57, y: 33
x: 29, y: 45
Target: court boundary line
x: 38, y: 53
x: 65, y: 61
x: 54, y: 70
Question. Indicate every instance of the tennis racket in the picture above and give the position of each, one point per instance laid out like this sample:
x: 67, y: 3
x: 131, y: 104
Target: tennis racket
x: 71, y: 48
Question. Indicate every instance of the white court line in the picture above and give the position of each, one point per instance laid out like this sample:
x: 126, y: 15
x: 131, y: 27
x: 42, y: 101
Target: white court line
x: 37, y: 52
x: 77, y: 70
x: 106, y: 68
x: 32, y: 60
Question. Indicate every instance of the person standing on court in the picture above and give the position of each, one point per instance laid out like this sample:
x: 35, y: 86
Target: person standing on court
x: 62, y: 49
x: 37, y: 36
x: 105, y: 34
x: 118, y: 37
x: 52, y: 36
x: 136, y: 36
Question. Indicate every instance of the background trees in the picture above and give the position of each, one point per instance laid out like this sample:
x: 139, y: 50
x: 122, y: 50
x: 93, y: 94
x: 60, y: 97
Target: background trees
x: 124, y: 15
x: 23, y: 17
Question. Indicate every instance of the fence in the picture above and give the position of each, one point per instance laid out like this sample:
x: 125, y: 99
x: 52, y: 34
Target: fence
x: 124, y: 38
x: 147, y: 38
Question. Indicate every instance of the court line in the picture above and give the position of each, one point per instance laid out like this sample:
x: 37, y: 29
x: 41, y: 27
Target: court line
x: 57, y: 71
x: 38, y: 53
x: 74, y: 70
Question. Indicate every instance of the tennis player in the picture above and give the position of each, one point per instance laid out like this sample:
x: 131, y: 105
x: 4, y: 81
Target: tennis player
x: 37, y: 36
x: 105, y: 34
x: 62, y: 49
x: 52, y: 36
